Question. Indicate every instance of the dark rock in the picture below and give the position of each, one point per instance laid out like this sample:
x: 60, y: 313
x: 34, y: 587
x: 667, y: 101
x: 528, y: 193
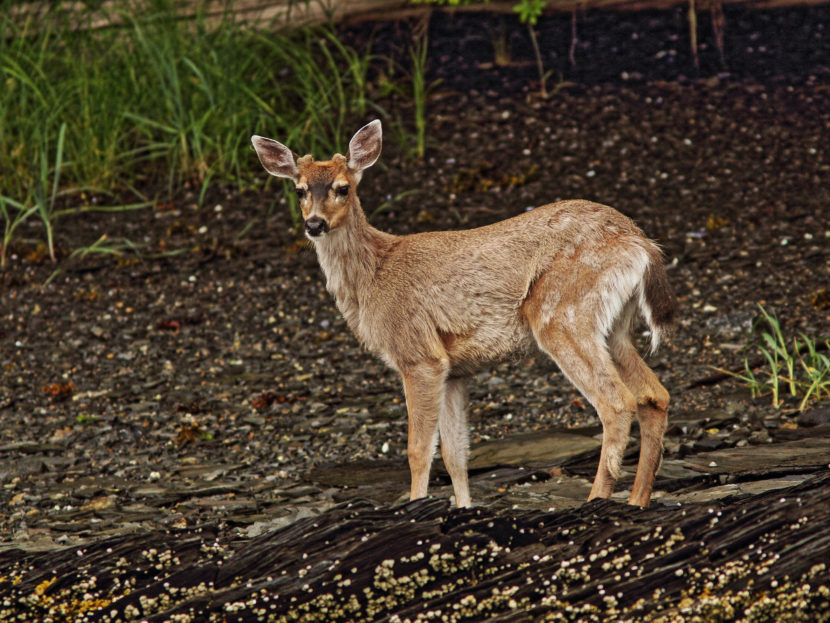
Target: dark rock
x: 359, y: 473
x: 708, y: 443
x: 817, y: 416
x: 551, y: 447
x: 804, y: 453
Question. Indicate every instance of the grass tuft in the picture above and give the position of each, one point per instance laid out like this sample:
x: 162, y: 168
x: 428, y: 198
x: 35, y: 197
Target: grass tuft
x: 795, y: 367
x: 151, y: 102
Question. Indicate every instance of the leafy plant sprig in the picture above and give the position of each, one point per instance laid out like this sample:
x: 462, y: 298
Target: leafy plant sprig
x: 529, y: 10
x: 796, y: 367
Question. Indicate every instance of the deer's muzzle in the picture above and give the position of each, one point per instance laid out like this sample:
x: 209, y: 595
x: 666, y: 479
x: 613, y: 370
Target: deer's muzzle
x: 314, y: 226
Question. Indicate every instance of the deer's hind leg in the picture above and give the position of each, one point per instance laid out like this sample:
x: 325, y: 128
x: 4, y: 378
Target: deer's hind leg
x: 585, y: 360
x: 652, y: 407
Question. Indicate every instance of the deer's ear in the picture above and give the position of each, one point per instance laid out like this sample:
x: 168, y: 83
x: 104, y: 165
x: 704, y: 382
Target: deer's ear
x: 364, y: 148
x: 277, y: 159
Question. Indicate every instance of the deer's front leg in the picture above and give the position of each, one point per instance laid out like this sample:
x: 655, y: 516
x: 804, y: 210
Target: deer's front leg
x: 452, y: 427
x: 424, y: 387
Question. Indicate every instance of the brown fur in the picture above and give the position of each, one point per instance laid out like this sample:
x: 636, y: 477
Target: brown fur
x: 568, y: 277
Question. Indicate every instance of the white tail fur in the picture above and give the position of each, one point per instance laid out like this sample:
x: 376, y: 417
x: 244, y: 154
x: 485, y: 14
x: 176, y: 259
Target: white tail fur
x: 567, y: 277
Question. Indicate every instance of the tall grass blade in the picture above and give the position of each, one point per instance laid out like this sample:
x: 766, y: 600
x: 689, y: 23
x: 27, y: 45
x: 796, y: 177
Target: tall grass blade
x: 418, y: 53
x: 692, y: 18
x: 718, y: 27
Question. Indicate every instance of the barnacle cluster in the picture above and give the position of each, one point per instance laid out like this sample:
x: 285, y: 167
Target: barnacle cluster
x: 419, y: 565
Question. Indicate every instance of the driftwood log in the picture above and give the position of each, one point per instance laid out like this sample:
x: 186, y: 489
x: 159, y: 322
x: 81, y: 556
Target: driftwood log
x: 294, y: 13
x: 760, y: 558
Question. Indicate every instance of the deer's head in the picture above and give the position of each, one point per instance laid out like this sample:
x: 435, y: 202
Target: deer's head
x: 327, y: 190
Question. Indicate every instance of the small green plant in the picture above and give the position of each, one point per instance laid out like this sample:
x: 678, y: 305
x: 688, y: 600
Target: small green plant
x: 11, y: 221
x: 41, y: 198
x: 795, y: 367
x: 529, y: 13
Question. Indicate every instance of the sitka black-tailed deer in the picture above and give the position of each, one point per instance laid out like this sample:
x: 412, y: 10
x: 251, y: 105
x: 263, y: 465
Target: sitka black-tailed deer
x: 569, y: 277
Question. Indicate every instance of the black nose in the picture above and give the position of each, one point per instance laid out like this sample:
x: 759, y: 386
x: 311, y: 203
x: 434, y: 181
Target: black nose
x: 316, y: 226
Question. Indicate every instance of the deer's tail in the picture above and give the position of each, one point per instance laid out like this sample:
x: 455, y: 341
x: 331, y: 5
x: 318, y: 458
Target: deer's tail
x: 657, y: 301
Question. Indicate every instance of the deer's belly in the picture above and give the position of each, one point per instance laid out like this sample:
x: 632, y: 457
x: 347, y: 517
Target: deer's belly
x: 485, y: 345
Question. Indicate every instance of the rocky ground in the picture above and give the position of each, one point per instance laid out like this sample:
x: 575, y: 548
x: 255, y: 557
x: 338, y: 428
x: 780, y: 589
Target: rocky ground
x: 202, y: 399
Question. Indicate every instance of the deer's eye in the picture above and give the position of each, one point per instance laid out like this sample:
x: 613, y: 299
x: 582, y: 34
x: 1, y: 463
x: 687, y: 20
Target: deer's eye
x: 300, y: 192
x: 342, y: 190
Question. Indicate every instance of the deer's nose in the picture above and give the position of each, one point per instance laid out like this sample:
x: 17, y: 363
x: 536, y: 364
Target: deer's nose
x: 315, y: 226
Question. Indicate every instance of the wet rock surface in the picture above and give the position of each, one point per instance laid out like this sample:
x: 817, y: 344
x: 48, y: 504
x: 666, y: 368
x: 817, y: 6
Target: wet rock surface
x: 197, y: 432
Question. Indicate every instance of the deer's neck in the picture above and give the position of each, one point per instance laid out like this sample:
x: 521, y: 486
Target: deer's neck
x: 350, y: 256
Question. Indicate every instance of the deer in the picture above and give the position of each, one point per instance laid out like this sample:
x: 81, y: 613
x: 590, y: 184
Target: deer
x: 570, y: 278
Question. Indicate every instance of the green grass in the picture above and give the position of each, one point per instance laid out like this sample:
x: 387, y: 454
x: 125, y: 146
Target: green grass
x: 420, y: 87
x: 156, y: 102
x: 794, y: 367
